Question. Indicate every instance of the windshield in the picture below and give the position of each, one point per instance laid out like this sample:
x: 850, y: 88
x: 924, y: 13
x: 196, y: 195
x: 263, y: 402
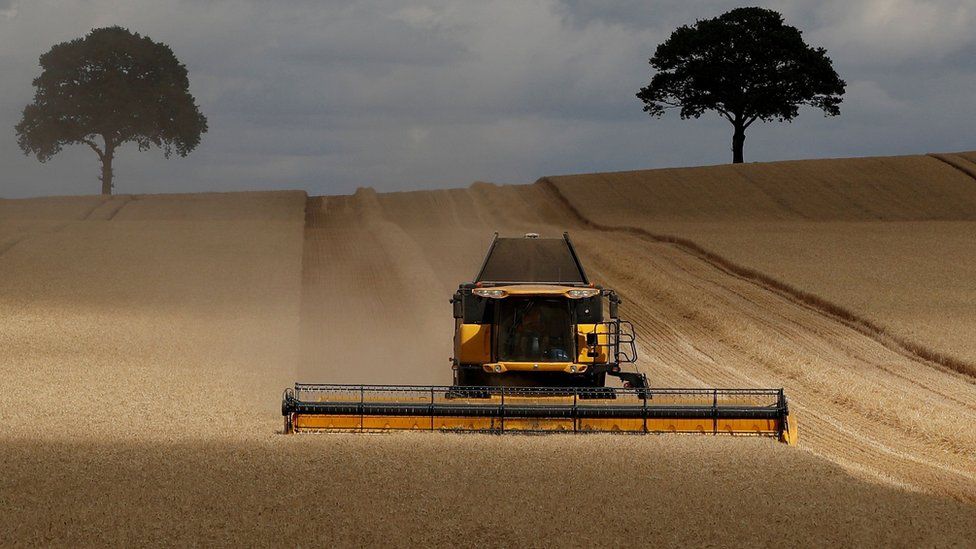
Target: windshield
x: 534, y: 330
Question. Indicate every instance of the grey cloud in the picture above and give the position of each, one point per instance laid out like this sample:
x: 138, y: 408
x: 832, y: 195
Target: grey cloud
x: 9, y: 8
x: 663, y: 14
x: 404, y: 94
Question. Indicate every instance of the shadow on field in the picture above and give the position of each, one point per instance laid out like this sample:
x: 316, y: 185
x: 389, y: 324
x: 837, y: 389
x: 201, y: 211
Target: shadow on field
x: 427, y: 489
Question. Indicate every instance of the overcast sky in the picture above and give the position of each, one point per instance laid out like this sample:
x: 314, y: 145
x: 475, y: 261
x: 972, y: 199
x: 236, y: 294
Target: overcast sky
x: 405, y: 94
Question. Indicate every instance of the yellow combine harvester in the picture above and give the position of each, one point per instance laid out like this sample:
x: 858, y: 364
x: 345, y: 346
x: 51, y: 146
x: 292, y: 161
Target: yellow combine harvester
x: 534, y: 342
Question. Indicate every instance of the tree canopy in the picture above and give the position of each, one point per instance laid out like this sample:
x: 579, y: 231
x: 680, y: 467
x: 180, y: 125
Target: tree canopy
x: 108, y: 88
x: 747, y: 65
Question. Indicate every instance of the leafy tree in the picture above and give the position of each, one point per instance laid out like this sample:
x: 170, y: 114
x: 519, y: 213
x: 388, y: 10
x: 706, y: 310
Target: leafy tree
x: 747, y: 65
x: 115, y: 85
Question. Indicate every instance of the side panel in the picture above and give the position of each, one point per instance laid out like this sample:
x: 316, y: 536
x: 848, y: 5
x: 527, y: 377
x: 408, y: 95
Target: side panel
x: 603, y: 339
x: 473, y: 343
x: 588, y: 310
x: 476, y: 310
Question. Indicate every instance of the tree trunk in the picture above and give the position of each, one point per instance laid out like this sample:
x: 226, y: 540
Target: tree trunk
x: 738, y: 141
x: 107, y: 171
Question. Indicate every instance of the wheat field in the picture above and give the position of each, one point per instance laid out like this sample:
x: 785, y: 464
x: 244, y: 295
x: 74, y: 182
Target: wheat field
x: 914, y: 279
x: 887, y: 239
x: 147, y: 340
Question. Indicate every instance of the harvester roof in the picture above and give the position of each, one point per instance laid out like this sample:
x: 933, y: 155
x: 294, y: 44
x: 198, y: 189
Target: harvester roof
x: 532, y: 260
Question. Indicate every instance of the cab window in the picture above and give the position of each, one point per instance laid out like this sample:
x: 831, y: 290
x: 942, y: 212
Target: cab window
x: 534, y: 330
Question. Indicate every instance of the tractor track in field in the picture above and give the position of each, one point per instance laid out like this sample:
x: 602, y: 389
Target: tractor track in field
x: 777, y: 328
x: 958, y: 162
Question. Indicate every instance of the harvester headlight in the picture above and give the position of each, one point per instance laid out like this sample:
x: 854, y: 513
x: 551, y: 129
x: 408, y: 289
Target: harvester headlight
x: 489, y: 292
x: 580, y: 293
x: 572, y: 368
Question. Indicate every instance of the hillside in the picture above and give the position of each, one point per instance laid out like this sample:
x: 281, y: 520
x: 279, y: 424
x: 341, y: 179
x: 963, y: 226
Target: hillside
x: 888, y: 240
x: 898, y: 188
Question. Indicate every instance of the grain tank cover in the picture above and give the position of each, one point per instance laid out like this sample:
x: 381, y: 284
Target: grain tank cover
x: 531, y: 259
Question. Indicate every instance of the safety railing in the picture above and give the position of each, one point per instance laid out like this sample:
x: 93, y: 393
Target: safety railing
x: 616, y: 337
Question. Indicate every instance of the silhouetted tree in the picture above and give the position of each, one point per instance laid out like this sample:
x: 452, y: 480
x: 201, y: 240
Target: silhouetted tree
x: 115, y: 85
x: 745, y: 64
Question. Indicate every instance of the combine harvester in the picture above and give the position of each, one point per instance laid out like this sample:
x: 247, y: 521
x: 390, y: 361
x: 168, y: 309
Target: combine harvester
x: 534, y: 342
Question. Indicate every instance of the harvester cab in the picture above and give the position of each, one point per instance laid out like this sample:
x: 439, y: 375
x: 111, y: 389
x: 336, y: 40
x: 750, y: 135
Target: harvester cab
x: 534, y: 342
x: 531, y: 318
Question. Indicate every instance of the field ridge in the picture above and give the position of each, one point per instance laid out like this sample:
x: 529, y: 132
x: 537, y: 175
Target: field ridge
x: 957, y: 161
